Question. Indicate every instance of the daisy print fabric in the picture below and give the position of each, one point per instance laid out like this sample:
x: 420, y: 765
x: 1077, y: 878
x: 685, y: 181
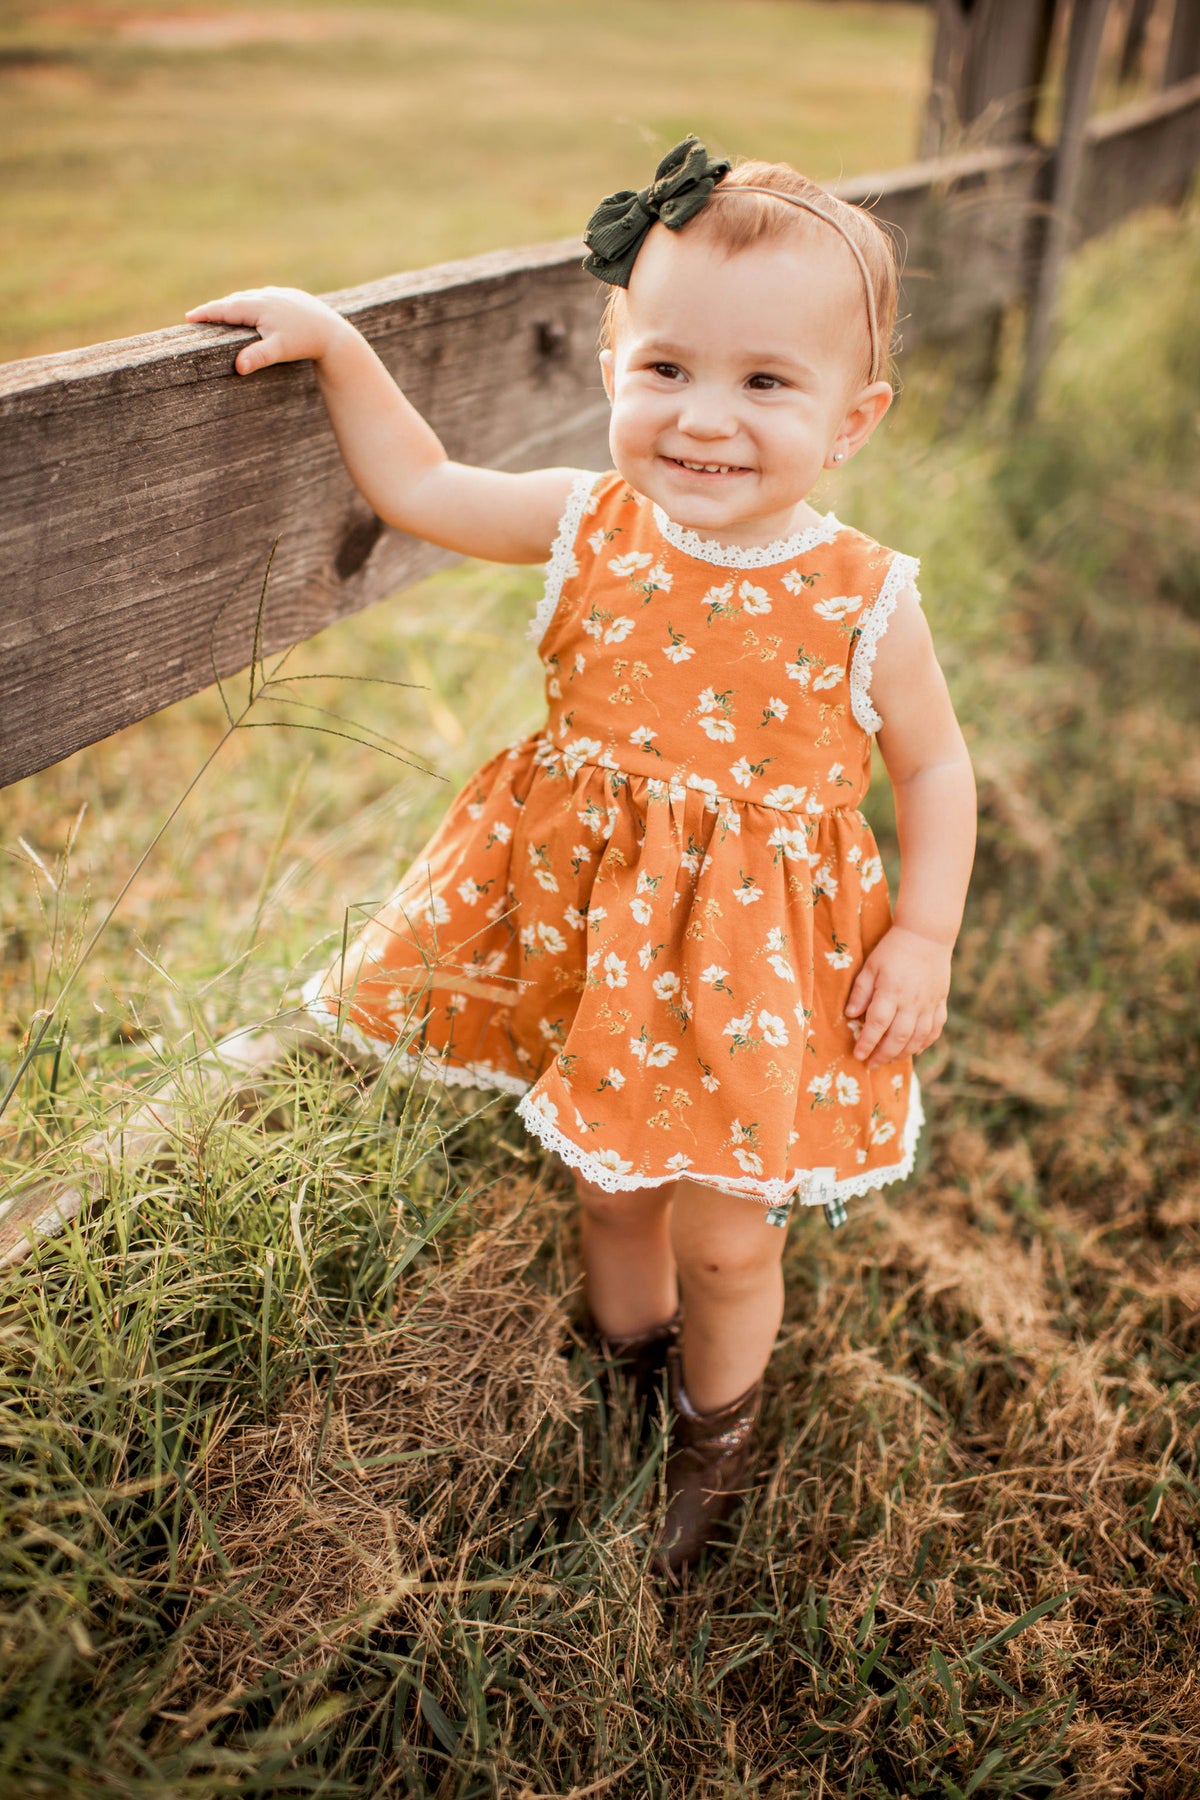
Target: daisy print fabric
x: 646, y: 917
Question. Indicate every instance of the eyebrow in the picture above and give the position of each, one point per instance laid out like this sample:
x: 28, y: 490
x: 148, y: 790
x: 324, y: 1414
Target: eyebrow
x: 757, y: 359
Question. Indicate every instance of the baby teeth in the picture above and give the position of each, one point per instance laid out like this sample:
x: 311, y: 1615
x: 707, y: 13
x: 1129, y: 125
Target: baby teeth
x: 709, y: 468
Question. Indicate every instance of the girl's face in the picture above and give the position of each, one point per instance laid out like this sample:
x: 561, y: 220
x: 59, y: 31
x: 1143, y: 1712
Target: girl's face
x: 734, y: 378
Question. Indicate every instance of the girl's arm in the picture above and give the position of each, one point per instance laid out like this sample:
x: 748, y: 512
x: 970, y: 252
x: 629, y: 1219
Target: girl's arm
x: 901, y: 989
x: 394, y: 458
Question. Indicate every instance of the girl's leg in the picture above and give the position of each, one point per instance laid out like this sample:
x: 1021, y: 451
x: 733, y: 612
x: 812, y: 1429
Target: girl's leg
x: 732, y: 1285
x: 629, y: 1271
x: 729, y: 1272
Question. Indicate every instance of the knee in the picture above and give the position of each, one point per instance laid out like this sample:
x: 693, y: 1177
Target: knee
x: 727, y: 1263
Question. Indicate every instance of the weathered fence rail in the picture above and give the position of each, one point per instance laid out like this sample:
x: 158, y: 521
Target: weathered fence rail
x: 142, y: 484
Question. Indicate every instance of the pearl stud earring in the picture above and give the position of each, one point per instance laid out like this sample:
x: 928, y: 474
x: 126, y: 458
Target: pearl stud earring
x: 839, y: 456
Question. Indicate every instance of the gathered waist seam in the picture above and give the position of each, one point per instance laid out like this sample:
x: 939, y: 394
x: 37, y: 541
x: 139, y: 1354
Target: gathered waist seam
x: 675, y: 786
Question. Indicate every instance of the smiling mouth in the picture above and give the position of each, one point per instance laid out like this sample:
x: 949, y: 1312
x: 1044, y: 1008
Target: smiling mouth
x: 700, y: 468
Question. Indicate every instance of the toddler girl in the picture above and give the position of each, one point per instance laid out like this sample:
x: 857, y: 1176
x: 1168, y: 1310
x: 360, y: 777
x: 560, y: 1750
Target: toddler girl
x: 662, y: 919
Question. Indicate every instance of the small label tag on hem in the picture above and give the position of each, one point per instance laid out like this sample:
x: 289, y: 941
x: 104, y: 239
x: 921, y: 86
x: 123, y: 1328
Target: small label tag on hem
x: 821, y: 1185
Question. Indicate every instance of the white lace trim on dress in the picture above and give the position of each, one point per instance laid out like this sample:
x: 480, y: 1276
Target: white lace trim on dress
x: 771, y: 1193
x: 429, y: 1067
x: 903, y: 572
x: 746, y: 556
x: 562, y: 556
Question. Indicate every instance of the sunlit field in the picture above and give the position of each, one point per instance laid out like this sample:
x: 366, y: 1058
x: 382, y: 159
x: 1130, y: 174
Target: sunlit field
x: 153, y: 156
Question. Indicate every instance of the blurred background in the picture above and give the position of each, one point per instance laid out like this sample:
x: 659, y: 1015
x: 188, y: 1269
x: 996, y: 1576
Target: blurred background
x: 154, y: 155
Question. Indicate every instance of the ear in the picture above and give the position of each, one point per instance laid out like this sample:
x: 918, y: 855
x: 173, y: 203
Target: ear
x: 606, y: 372
x: 866, y: 410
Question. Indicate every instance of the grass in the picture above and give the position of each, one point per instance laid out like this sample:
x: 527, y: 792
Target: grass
x: 307, y: 1487
x: 157, y: 156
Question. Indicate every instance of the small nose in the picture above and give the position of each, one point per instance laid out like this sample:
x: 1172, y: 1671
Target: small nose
x: 707, y: 412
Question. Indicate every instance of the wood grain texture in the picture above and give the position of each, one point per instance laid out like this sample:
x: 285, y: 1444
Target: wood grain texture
x: 989, y: 63
x: 1143, y: 154
x: 963, y: 222
x: 143, y: 483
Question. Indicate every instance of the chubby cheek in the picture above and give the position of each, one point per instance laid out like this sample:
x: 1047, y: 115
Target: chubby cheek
x: 616, y: 441
x: 630, y: 433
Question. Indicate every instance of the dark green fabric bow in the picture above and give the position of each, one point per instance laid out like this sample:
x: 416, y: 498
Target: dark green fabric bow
x: 617, y: 229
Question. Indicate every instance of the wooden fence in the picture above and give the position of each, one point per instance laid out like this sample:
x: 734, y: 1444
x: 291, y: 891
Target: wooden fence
x: 142, y: 486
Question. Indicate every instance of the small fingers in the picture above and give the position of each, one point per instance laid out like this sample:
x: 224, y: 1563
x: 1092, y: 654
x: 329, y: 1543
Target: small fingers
x: 880, y: 1015
x: 936, y: 1025
x: 860, y: 993
x: 254, y: 356
x: 909, y: 1034
x: 230, y: 309
x: 928, y: 1030
x: 895, y: 1040
x: 234, y: 310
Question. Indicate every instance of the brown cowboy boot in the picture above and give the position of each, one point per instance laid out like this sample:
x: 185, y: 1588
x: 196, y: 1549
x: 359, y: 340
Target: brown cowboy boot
x: 641, y: 1354
x: 705, y: 1468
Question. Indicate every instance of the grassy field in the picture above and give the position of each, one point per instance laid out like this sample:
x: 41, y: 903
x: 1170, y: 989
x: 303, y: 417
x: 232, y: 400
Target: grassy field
x: 155, y: 155
x: 307, y: 1486
x: 305, y: 1489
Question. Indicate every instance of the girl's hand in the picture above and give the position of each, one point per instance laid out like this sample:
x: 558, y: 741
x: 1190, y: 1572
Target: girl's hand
x: 393, y: 456
x: 900, y: 993
x: 292, y: 325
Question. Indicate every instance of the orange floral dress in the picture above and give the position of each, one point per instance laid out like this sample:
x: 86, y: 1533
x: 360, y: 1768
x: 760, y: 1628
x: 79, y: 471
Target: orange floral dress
x: 646, y: 918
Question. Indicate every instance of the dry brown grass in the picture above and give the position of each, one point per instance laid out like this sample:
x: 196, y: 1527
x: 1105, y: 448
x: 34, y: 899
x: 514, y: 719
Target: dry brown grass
x: 969, y: 1565
x: 343, y: 1507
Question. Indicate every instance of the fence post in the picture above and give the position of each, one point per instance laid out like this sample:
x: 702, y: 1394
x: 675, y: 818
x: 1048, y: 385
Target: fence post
x: 1079, y: 74
x: 1183, y: 45
x: 1133, y: 39
x: 988, y: 67
x: 989, y: 62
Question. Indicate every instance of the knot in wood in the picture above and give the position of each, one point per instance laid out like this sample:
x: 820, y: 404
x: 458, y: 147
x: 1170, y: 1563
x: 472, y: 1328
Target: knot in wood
x: 550, y: 335
x: 358, y: 540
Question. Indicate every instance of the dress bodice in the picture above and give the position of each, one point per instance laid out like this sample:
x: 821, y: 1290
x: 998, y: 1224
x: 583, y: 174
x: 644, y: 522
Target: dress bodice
x: 742, y: 673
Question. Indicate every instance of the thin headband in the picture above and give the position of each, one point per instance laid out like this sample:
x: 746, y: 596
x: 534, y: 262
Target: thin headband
x: 683, y: 183
x: 740, y: 187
